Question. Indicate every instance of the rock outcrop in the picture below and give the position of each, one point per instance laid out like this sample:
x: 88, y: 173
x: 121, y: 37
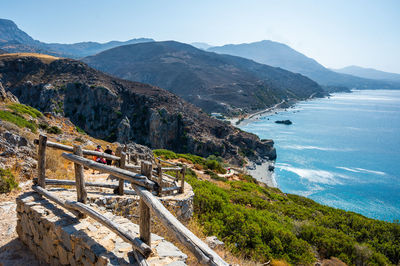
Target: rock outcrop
x: 285, y: 122
x: 6, y: 96
x: 114, y: 109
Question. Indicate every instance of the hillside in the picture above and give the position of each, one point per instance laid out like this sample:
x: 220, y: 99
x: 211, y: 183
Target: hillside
x: 119, y: 110
x: 264, y: 224
x: 280, y: 55
x: 216, y: 83
x: 369, y: 73
x: 14, y: 40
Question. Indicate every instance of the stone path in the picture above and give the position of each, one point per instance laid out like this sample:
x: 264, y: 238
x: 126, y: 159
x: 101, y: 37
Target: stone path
x: 12, y: 250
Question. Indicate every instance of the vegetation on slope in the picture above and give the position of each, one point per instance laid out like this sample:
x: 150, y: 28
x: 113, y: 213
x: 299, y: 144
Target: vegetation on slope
x: 18, y: 120
x: 211, y: 163
x: 263, y: 223
x: 7, y: 181
x: 25, y: 116
x: 25, y: 109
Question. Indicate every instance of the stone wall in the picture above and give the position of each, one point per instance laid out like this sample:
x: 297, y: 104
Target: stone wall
x: 181, y: 205
x: 56, y: 237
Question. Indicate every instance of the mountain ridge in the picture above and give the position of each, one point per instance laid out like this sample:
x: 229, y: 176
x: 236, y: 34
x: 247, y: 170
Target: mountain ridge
x: 369, y: 73
x: 216, y: 83
x: 281, y: 55
x: 13, y: 40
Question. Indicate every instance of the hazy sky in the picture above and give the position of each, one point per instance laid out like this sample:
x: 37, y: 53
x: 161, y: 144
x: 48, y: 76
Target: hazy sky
x: 336, y: 33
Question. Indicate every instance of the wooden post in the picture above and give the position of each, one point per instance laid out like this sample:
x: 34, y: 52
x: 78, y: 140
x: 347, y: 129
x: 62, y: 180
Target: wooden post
x: 42, y: 161
x: 121, y: 182
x: 183, y: 172
x: 135, y: 158
x: 159, y: 172
x: 118, y: 153
x: 144, y: 216
x: 125, y: 149
x: 80, y: 179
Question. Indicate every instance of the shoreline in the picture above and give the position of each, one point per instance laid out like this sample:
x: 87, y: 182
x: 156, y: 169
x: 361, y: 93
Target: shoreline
x: 261, y: 171
x: 237, y: 121
x: 250, y: 117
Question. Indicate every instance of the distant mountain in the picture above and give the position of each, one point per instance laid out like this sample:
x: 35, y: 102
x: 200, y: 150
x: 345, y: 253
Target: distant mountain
x: 2, y: 51
x: 14, y: 40
x: 216, y: 83
x: 369, y: 73
x: 201, y: 45
x: 280, y: 55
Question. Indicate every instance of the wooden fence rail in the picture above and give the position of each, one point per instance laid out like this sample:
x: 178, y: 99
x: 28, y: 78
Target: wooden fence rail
x: 143, y: 186
x: 122, y: 161
x: 138, y: 179
x: 85, y: 152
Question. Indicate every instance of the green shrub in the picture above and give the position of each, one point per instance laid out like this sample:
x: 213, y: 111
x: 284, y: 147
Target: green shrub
x: 215, y: 165
x: 166, y: 154
x: 18, y: 120
x: 263, y: 223
x: 80, y: 130
x: 43, y: 126
x: 212, y: 163
x: 54, y: 130
x: 7, y: 181
x: 215, y: 176
x: 25, y: 109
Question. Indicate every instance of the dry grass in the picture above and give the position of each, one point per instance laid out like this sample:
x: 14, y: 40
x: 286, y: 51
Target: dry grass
x: 47, y: 59
x: 57, y: 167
x: 279, y: 263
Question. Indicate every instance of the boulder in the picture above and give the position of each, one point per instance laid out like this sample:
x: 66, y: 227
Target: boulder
x: 286, y: 122
x: 214, y: 242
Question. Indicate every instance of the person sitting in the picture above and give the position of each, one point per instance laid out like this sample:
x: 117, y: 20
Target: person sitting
x: 99, y: 159
x: 109, y: 151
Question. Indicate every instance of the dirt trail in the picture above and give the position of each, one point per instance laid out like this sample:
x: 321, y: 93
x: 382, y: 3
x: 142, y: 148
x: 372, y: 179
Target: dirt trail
x: 12, y: 250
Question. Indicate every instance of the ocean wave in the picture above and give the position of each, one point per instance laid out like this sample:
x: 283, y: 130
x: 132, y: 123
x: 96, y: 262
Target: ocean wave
x: 315, y: 176
x: 310, y: 147
x: 361, y: 170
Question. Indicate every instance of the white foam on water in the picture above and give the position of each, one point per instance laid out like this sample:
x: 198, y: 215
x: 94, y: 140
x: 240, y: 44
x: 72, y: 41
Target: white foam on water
x: 315, y: 176
x: 311, y: 147
x: 361, y: 170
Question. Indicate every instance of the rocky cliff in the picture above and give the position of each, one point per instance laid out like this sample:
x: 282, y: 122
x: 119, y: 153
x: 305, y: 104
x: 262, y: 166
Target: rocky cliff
x: 118, y: 110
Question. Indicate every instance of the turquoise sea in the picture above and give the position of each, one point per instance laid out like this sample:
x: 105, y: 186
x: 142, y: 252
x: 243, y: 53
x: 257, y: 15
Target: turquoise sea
x: 342, y: 151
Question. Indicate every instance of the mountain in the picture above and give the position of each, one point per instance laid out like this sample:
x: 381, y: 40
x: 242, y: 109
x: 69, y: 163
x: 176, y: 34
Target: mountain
x: 216, y: 83
x: 2, y: 51
x: 369, y: 73
x: 280, y: 55
x: 119, y: 110
x: 201, y: 45
x: 14, y: 40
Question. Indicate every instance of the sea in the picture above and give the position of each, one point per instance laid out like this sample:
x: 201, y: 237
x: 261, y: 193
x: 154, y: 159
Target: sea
x: 342, y: 151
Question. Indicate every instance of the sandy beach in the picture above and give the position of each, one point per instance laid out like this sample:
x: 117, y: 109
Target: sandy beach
x: 262, y: 174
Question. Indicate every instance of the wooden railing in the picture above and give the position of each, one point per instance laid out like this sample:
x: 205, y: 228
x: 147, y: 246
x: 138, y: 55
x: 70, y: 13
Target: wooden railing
x: 121, y: 159
x: 144, y: 186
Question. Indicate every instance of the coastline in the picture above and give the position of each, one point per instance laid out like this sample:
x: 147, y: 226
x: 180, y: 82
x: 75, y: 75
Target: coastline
x: 236, y: 121
x: 262, y: 173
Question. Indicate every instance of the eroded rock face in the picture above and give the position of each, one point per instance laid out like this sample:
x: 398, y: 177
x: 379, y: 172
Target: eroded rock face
x: 124, y: 111
x: 12, y: 144
x: 6, y: 95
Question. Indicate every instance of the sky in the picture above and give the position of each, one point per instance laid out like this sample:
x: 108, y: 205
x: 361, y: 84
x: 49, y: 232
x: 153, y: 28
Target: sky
x: 336, y: 33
